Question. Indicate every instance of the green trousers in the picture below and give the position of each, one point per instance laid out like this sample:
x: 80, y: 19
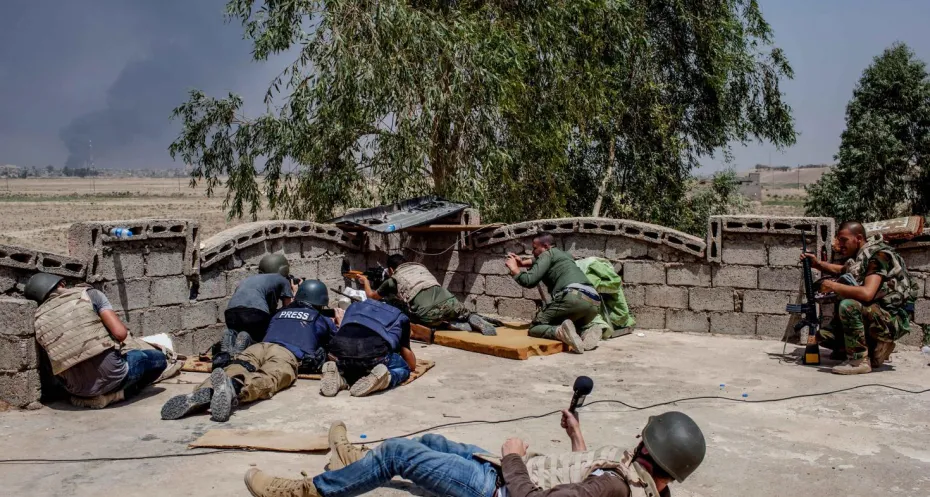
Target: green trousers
x: 573, y: 305
x: 861, y: 324
x: 448, y: 310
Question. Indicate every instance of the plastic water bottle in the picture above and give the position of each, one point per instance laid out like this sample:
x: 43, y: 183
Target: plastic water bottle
x: 391, y: 228
x: 120, y: 233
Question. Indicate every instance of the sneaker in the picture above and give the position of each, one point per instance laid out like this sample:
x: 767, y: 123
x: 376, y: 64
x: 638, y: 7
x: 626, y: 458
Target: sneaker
x: 378, y: 379
x: 478, y: 324
x: 853, y: 366
x: 459, y: 326
x: 591, y: 336
x: 243, y: 341
x: 332, y: 382
x: 261, y: 484
x: 342, y: 452
x: 98, y: 402
x: 882, y: 353
x: 566, y: 334
x: 224, y: 396
x: 182, y: 405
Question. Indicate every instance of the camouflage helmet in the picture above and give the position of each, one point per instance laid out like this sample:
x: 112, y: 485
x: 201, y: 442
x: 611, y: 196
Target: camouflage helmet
x: 314, y: 292
x: 274, y: 263
x: 40, y: 285
x: 675, y: 443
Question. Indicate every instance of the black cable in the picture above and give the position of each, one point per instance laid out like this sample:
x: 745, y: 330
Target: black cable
x: 494, y: 422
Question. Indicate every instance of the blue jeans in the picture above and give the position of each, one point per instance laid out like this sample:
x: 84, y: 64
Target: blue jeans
x: 398, y: 367
x: 145, y: 366
x: 432, y: 462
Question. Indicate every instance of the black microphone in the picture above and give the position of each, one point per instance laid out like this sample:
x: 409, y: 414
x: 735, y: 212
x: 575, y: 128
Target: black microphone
x: 583, y: 386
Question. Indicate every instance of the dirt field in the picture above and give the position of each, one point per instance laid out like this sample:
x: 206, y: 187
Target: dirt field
x: 36, y: 213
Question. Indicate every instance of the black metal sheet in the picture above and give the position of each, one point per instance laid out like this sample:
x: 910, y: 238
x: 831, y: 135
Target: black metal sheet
x: 401, y: 215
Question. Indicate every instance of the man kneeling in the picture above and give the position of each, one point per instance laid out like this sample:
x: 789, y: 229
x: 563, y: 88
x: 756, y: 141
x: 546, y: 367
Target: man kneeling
x: 296, y: 337
x: 672, y: 448
x: 370, y: 352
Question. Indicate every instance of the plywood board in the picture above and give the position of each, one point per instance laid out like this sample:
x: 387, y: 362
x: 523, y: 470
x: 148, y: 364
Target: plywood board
x: 203, y: 365
x: 274, y: 440
x: 510, y: 343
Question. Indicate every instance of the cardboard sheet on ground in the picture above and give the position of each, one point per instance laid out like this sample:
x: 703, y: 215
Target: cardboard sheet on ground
x: 203, y: 365
x: 512, y: 342
x: 274, y: 440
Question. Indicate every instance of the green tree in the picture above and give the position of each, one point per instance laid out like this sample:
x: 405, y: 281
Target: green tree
x: 526, y: 109
x: 882, y: 166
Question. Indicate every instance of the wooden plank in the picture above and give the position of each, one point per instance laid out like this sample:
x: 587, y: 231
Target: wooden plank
x: 273, y: 440
x: 421, y: 333
x: 510, y: 343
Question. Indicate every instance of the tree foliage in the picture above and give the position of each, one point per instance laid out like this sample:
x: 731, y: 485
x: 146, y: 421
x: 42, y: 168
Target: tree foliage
x: 525, y: 109
x: 882, y: 166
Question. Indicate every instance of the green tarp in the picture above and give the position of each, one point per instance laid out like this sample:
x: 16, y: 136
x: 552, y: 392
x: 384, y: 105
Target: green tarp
x: 615, y: 314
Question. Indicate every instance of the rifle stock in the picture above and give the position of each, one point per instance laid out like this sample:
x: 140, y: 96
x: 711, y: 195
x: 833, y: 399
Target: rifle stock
x: 808, y: 311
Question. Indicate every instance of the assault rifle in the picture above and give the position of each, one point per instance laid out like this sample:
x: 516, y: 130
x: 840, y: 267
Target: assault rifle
x: 375, y: 274
x: 808, y: 312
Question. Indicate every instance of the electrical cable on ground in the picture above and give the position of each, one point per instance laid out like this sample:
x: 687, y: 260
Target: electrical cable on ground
x: 489, y: 422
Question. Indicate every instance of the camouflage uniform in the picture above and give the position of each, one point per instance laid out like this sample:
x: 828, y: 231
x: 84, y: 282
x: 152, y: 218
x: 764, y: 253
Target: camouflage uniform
x: 884, y: 318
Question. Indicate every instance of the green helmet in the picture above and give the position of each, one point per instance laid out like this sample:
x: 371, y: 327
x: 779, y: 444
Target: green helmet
x: 274, y: 263
x: 40, y: 285
x: 675, y: 443
x: 313, y: 292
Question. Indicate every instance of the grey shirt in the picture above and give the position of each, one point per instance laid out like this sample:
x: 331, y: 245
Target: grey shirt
x: 102, y: 373
x: 262, y: 292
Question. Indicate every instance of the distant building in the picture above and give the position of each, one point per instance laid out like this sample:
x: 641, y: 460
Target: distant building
x: 9, y: 170
x: 750, y: 186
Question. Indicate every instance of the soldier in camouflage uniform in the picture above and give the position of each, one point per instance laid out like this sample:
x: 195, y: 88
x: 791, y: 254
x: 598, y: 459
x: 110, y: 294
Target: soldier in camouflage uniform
x: 872, y: 313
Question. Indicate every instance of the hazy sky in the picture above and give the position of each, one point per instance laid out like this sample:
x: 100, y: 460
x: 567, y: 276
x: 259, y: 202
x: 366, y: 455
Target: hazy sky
x: 113, y: 69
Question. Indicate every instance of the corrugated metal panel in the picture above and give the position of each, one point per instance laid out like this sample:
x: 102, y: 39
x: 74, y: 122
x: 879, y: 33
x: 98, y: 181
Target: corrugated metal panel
x: 402, y: 215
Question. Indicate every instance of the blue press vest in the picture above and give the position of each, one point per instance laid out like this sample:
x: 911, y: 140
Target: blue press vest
x: 384, y: 319
x: 301, y: 328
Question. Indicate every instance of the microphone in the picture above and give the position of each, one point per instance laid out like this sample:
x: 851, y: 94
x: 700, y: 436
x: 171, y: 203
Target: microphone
x: 583, y: 386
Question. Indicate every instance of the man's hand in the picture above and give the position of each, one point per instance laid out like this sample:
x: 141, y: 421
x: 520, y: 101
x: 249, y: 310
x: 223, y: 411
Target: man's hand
x: 340, y: 314
x: 513, y: 263
x: 815, y: 262
x: 570, y: 424
x: 514, y: 446
x: 827, y: 286
x: 362, y: 279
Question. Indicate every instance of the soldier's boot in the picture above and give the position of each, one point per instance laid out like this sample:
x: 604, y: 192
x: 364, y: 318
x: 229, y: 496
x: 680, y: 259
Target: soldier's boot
x: 225, y: 396
x: 98, y: 402
x: 881, y: 353
x: 181, y: 405
x: 332, y: 382
x: 590, y: 336
x: 261, y: 484
x: 342, y: 452
x: 378, y: 379
x: 853, y: 366
x: 480, y: 325
x: 566, y: 334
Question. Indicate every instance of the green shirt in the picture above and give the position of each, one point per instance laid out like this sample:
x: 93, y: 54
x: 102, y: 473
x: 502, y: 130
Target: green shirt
x: 555, y: 269
x: 421, y: 302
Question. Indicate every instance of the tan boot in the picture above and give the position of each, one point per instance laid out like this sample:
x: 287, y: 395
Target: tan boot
x: 853, y: 366
x: 332, y: 382
x: 342, y: 452
x: 566, y: 334
x: 379, y: 379
x: 98, y: 402
x: 261, y: 484
x: 590, y: 336
x: 881, y: 353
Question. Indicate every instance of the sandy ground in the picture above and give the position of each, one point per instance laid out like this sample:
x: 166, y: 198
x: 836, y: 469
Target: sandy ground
x: 857, y: 443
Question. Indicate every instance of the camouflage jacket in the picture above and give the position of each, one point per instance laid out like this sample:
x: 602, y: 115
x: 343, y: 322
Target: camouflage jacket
x: 876, y: 257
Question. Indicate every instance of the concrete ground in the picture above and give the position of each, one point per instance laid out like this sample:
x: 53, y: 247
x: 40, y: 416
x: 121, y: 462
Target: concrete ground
x: 857, y: 443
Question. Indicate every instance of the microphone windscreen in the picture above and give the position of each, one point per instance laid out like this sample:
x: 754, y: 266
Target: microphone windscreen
x: 583, y: 385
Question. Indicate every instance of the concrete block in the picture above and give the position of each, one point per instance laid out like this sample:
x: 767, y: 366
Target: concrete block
x: 714, y: 239
x: 635, y: 295
x: 516, y: 308
x: 198, y: 315
x: 22, y: 388
x: 744, y: 224
x: 164, y: 262
x: 773, y: 326
x: 765, y: 302
x: 599, y: 225
x: 8, y: 278
x: 643, y: 231
x: 621, y: 247
x: 234, y: 277
x: 473, y: 284
x: 166, y: 228
x: 161, y: 320
x: 493, y: 237
x: 252, y: 255
x: 667, y: 296
x: 688, y: 274
x: 581, y: 246
x: 775, y: 278
x: 60, y: 265
x: 330, y: 268
x: 120, y: 265
x: 649, y: 318
x: 733, y: 323
x: 644, y: 272
x: 303, y: 268
x: 736, y: 276
x: 484, y: 304
x: 684, y: 242
x: 490, y: 264
x: 203, y: 338
x: 212, y: 285
x: 922, y: 311
x: 134, y: 321
x: 502, y: 286
x: 917, y: 259
x: 744, y: 250
x: 170, y: 290
x: 784, y: 255
x: 17, y: 317
x: 454, y: 282
x: 685, y: 320
x: 127, y: 295
x: 18, y: 354
x: 711, y: 299
x: 18, y: 257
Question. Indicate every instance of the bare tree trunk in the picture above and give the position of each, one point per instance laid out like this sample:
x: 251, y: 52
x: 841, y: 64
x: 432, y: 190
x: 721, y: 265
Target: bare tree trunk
x: 605, y: 180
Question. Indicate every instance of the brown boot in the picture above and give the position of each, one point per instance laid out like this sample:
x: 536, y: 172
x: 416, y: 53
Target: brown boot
x: 98, y: 402
x: 854, y: 366
x: 881, y: 353
x: 342, y: 452
x: 379, y: 379
x: 261, y: 484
